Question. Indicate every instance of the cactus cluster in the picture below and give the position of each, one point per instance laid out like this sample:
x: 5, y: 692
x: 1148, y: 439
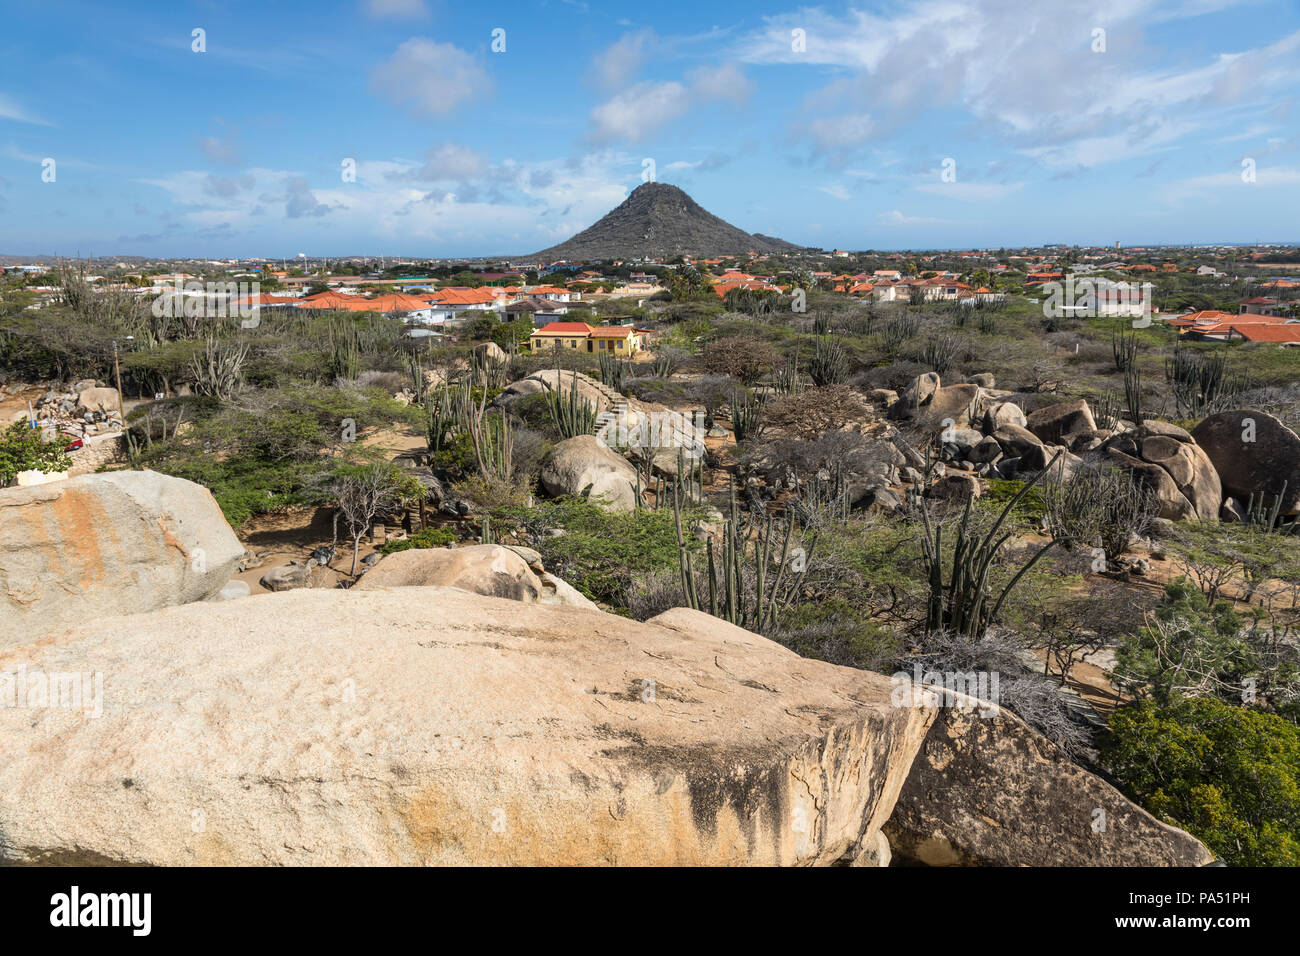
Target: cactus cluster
x: 571, y: 414
x: 965, y: 604
x: 763, y: 547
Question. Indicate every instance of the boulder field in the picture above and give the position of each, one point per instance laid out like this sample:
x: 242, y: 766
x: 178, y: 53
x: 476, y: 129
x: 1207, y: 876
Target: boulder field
x: 461, y: 706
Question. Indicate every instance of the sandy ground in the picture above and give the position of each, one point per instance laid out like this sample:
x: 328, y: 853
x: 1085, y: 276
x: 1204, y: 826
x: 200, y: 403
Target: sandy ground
x: 291, y: 536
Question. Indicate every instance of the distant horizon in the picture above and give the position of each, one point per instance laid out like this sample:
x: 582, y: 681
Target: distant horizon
x: 499, y: 257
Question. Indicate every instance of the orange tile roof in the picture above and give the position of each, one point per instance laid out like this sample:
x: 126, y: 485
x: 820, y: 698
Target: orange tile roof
x: 1268, y: 333
x: 611, y: 332
x: 459, y: 295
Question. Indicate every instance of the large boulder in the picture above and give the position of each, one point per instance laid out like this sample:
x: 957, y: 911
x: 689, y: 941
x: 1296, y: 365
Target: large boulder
x: 1191, y: 470
x: 287, y: 577
x: 1174, y: 505
x: 434, y: 726
x: 490, y: 355
x: 1055, y: 423
x: 98, y: 399
x: 1254, y: 454
x: 584, y: 466
x: 597, y: 394
x: 1004, y: 413
x: 105, y: 544
x: 488, y: 569
x: 961, y: 405
x: 987, y: 790
x: 921, y: 390
x: 1015, y: 440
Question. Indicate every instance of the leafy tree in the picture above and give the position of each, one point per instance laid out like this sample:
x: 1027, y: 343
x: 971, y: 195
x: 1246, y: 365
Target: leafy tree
x: 1228, y: 775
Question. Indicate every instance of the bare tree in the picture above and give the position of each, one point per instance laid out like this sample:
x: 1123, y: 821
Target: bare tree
x: 361, y: 493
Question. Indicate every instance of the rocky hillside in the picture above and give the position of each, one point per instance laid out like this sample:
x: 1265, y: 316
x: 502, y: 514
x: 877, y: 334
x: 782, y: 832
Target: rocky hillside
x: 660, y: 220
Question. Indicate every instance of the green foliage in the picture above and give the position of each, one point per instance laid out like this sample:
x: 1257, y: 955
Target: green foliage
x: 23, y: 448
x: 1029, y: 510
x: 600, y: 552
x: 1228, y: 775
x: 746, y: 414
x: 965, y: 603
x: 263, y: 457
x: 830, y: 362
x: 750, y: 591
x: 571, y: 414
x: 1192, y: 647
x: 428, y: 538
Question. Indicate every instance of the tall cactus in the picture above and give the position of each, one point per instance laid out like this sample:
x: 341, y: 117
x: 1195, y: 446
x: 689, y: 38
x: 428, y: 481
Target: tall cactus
x: 965, y: 603
x: 830, y: 363
x: 778, y: 570
x: 571, y: 414
x: 746, y: 414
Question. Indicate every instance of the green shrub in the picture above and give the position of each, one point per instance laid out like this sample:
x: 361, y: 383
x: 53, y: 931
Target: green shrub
x: 23, y: 448
x: 428, y: 538
x: 1228, y: 775
x: 599, y: 552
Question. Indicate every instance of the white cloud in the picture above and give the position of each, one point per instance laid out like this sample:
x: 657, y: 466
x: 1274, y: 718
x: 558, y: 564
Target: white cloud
x: 452, y: 162
x: 837, y: 191
x: 219, y: 151
x: 970, y: 192
x: 12, y: 111
x: 618, y: 63
x: 840, y: 132
x: 895, y: 218
x: 724, y: 82
x: 430, y: 79
x: 530, y: 205
x: 637, y: 112
x: 1027, y: 72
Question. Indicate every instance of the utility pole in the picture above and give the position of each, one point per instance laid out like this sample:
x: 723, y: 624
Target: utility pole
x: 117, y: 375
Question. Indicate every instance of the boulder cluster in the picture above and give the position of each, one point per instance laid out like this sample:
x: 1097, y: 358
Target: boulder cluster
x: 463, y: 706
x: 1210, y: 473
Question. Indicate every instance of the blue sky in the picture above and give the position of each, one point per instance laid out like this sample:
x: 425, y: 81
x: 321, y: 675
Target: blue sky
x: 1047, y: 130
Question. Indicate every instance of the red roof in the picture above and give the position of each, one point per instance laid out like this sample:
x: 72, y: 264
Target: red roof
x: 565, y: 328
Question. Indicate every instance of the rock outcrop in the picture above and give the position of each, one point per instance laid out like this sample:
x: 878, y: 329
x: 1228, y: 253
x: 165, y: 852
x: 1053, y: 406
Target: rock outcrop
x: 1254, y: 454
x: 584, y: 466
x: 1055, y: 424
x: 105, y: 544
x: 488, y: 569
x: 435, y: 726
x: 987, y: 790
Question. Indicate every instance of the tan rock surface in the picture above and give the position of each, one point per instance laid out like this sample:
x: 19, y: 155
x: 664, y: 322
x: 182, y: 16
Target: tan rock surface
x: 435, y: 726
x: 104, y: 544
